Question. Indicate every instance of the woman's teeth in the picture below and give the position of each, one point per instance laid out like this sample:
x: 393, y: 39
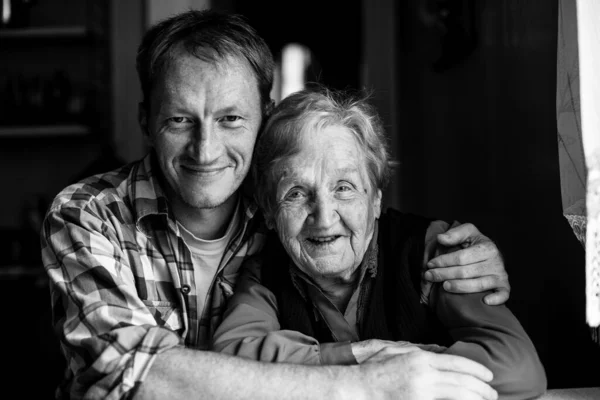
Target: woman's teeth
x: 324, y: 239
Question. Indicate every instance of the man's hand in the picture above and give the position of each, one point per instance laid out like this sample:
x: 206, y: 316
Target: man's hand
x: 475, y: 266
x: 422, y: 375
x: 375, y: 350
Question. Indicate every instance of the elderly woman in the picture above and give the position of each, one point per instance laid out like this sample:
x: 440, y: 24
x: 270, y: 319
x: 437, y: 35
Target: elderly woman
x: 329, y: 289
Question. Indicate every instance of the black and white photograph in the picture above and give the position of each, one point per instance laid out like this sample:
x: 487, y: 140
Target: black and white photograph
x: 317, y: 199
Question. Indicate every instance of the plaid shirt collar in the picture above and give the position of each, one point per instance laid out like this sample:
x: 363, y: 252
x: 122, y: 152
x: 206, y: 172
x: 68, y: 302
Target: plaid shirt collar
x: 154, y: 218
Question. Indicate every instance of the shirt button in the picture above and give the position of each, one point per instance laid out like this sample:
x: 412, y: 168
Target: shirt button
x: 185, y: 289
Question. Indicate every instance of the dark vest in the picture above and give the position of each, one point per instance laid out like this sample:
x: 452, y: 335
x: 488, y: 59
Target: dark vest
x: 389, y: 304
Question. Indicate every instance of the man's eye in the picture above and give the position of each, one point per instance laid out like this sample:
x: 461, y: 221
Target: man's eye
x: 231, y: 121
x: 230, y: 118
x: 178, y: 121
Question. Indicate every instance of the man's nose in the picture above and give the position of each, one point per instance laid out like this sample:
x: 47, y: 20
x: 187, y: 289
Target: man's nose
x: 324, y: 212
x: 206, y: 146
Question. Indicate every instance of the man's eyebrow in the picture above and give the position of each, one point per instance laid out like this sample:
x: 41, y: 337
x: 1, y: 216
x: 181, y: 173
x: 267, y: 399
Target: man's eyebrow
x: 229, y: 110
x: 173, y: 105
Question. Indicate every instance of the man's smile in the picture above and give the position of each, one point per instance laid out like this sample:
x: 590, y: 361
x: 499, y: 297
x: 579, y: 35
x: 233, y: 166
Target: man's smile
x: 204, y: 170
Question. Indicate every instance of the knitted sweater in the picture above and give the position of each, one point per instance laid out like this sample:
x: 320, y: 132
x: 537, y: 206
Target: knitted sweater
x: 389, y: 304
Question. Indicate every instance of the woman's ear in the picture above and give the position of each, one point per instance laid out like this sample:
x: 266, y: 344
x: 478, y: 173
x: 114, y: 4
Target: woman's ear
x: 377, y: 204
x: 270, y: 222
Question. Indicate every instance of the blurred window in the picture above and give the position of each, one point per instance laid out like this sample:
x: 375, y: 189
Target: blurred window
x: 290, y: 73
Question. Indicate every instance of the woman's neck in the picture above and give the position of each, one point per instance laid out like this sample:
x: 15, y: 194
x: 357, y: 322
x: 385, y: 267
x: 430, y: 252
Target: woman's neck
x: 339, y: 291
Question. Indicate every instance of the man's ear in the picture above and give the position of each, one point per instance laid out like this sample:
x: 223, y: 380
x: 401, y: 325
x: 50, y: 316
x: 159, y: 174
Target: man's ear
x: 269, y: 108
x: 143, y: 121
x: 377, y: 204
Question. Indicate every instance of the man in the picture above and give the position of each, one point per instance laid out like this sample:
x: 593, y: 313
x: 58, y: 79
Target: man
x: 142, y: 259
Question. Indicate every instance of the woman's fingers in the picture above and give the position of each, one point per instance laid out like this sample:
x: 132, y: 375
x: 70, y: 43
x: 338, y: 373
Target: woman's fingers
x: 434, y: 348
x: 375, y: 350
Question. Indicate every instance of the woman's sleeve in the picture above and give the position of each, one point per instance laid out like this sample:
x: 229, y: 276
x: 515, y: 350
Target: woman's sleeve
x: 493, y: 336
x: 251, y: 329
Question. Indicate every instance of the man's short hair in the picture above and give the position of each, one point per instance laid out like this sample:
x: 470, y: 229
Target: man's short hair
x: 209, y: 35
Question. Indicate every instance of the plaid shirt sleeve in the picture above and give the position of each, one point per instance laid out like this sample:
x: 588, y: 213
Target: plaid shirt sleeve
x: 109, y: 337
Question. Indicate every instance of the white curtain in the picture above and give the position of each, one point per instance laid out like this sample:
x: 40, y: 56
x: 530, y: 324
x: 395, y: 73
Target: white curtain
x: 578, y: 122
x: 573, y: 172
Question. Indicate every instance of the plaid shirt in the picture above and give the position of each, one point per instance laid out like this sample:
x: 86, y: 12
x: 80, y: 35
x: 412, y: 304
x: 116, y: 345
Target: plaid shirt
x: 122, y: 279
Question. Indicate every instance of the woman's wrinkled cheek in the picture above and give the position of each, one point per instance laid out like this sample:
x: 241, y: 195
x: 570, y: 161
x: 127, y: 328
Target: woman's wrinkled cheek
x: 361, y: 222
x: 289, y: 222
x: 355, y: 217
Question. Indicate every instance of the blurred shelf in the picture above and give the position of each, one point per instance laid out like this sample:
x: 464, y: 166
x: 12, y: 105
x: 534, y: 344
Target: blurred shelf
x: 44, y: 130
x: 17, y: 271
x: 75, y: 31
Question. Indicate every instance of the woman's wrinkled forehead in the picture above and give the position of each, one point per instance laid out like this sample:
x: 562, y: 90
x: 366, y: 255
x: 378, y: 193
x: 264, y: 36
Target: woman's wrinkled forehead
x: 302, y: 131
x: 330, y: 149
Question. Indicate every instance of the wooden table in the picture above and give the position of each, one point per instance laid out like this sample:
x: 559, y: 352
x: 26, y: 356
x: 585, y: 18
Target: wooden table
x: 572, y: 394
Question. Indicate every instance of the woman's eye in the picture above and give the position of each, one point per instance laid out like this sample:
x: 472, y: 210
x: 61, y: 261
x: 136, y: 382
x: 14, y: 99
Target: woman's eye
x: 344, y: 187
x: 295, y: 195
x: 345, y: 190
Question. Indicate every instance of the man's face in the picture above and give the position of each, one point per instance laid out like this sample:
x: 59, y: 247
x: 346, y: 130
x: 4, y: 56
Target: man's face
x: 202, y: 122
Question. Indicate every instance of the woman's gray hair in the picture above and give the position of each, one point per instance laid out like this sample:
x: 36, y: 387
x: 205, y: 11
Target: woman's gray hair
x: 315, y: 109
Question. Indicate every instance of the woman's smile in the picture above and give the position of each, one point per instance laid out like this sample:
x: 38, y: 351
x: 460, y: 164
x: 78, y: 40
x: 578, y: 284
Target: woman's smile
x: 327, y: 207
x: 323, y: 244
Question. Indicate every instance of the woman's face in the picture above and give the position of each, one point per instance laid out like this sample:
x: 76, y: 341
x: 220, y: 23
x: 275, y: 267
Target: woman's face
x: 326, y: 208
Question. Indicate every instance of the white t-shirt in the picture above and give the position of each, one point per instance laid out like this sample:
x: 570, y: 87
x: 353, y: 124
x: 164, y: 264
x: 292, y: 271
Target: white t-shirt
x: 207, y: 256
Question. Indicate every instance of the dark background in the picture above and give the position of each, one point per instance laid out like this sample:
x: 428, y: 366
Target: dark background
x: 476, y: 137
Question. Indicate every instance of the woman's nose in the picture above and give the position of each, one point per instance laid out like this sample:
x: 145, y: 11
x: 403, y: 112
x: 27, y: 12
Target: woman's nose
x: 324, y: 212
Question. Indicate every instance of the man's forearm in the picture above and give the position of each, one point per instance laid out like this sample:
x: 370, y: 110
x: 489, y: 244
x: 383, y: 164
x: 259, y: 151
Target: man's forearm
x: 181, y: 373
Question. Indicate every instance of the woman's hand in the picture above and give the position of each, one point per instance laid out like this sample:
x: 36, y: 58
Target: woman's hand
x: 375, y: 350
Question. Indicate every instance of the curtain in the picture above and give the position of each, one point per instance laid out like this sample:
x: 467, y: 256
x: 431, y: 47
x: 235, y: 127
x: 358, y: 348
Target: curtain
x: 573, y: 172
x: 578, y: 124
